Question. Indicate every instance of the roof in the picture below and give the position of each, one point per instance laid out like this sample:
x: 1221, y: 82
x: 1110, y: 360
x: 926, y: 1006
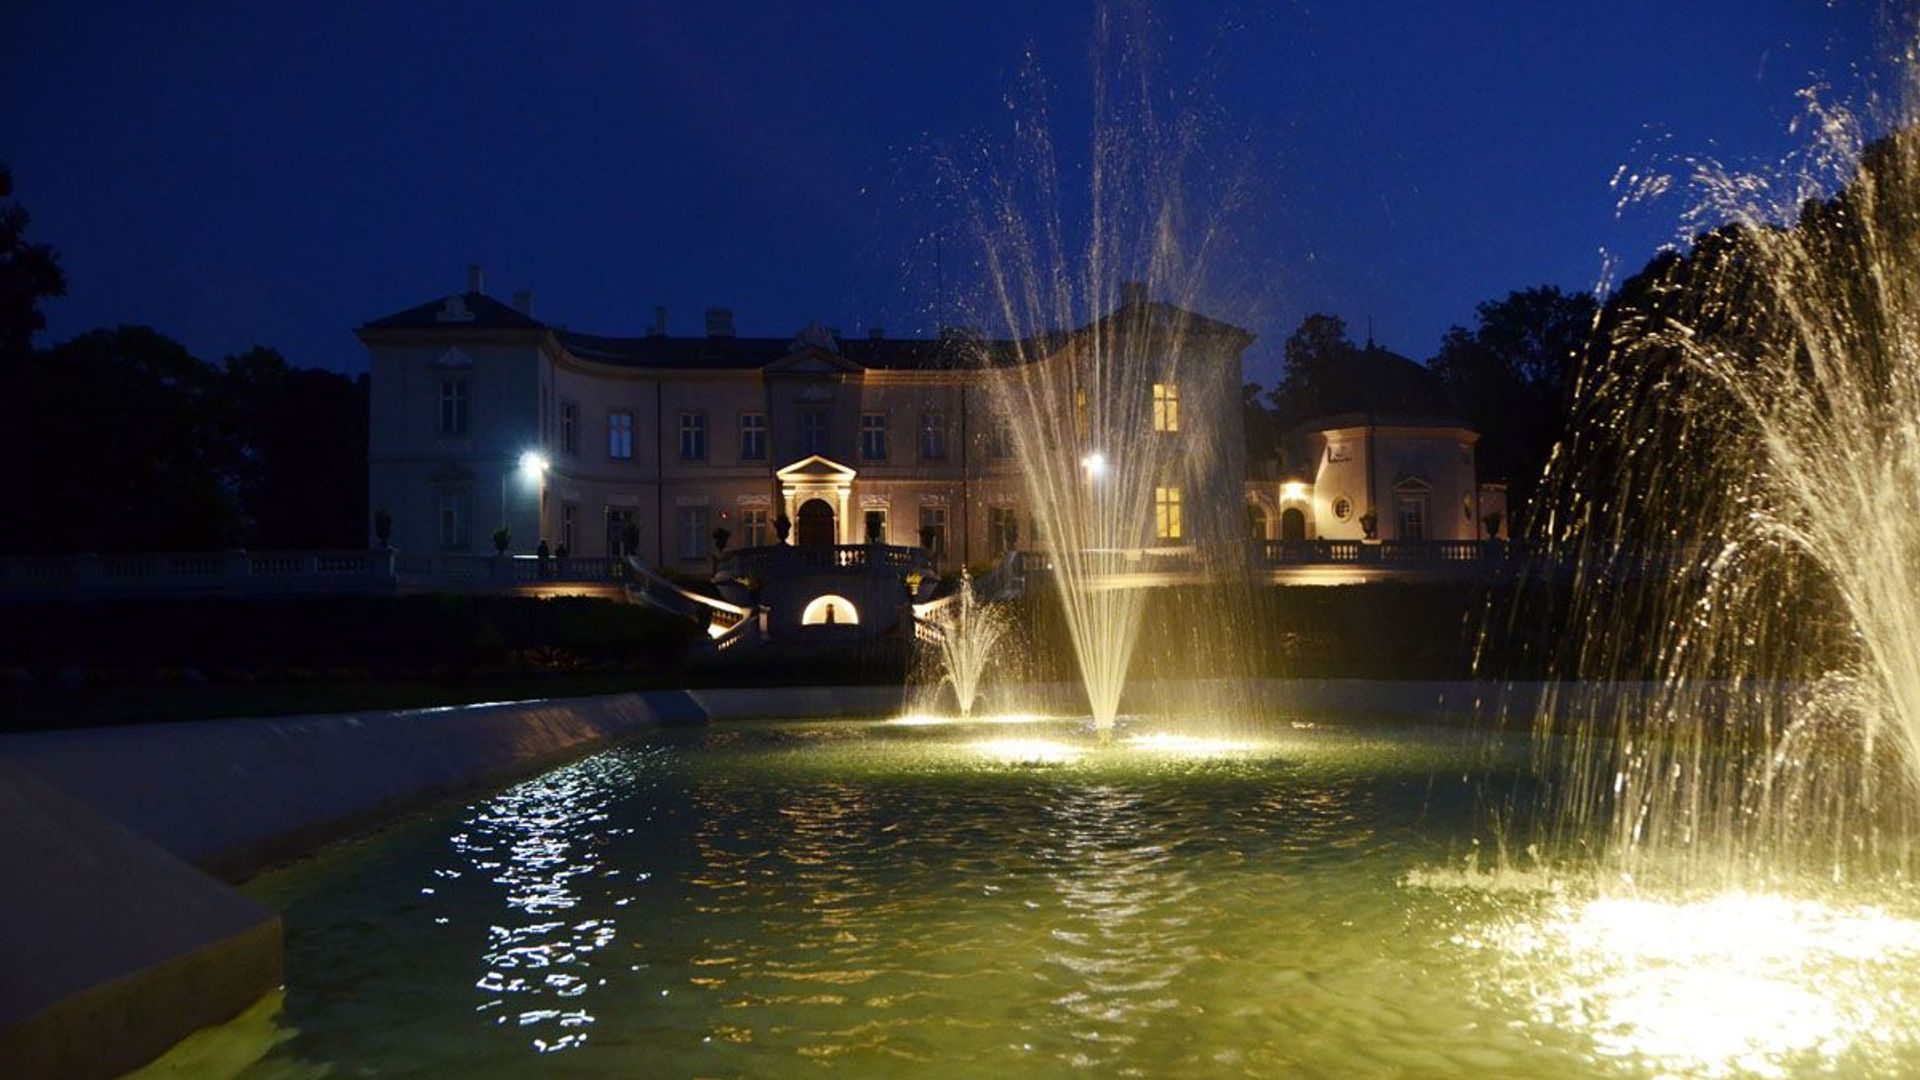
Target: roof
x: 1377, y: 386
x: 953, y: 349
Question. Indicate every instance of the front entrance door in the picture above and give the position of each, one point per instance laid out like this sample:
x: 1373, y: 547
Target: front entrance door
x: 1293, y: 524
x: 815, y: 526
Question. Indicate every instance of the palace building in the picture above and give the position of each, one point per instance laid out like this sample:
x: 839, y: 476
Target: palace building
x: 651, y: 442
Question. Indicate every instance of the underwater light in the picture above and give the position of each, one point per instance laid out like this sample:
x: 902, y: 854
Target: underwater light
x: 920, y: 720
x: 1187, y: 744
x: 1029, y: 751
x: 1740, y: 983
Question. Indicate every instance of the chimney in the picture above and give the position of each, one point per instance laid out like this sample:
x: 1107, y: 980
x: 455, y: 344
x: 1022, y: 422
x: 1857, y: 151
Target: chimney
x: 476, y: 278
x: 719, y: 322
x: 523, y: 301
x: 876, y: 333
x: 660, y: 320
x: 1133, y: 293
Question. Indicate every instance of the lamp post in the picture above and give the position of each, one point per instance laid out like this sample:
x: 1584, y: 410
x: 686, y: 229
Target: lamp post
x: 533, y: 467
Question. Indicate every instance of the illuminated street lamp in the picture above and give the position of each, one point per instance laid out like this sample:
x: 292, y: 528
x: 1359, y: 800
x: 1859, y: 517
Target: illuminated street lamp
x: 1096, y: 465
x: 533, y: 466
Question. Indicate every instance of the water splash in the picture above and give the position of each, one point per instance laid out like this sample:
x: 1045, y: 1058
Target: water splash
x: 1098, y: 386
x: 1736, y: 503
x: 970, y: 635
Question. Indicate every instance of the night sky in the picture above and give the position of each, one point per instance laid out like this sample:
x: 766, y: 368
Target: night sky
x: 279, y: 173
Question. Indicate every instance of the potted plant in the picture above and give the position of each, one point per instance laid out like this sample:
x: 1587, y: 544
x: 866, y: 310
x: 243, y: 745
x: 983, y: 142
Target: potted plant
x: 1492, y: 523
x: 1370, y: 524
x: 383, y: 527
x: 783, y: 527
x: 721, y: 535
x: 501, y: 538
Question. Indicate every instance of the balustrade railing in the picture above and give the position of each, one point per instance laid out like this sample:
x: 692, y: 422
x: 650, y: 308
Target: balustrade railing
x: 754, y: 562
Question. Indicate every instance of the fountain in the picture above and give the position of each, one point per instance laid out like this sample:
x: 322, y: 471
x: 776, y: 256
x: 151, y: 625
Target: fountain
x: 970, y: 632
x: 1091, y: 375
x: 1736, y: 505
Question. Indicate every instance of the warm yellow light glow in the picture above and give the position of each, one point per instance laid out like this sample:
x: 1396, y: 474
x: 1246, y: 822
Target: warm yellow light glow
x: 1739, y: 984
x: 1187, y: 744
x: 920, y: 720
x: 1029, y: 751
x: 1293, y: 491
x: 830, y: 609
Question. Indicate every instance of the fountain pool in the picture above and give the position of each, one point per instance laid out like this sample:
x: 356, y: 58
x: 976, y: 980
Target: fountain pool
x: 938, y: 898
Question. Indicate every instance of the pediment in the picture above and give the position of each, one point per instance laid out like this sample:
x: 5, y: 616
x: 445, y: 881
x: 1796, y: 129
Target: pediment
x: 1412, y: 484
x: 813, y: 360
x: 816, y: 469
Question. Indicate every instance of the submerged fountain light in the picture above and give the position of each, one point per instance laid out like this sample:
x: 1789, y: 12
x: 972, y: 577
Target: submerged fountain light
x: 1741, y: 983
x: 1189, y: 745
x: 1029, y: 751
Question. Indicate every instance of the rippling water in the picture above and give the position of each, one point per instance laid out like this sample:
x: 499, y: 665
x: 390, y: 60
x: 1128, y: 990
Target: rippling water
x: 956, y: 900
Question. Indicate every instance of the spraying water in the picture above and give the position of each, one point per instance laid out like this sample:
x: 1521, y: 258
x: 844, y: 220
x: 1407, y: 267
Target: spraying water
x: 1738, y: 503
x: 970, y: 633
x: 1104, y: 366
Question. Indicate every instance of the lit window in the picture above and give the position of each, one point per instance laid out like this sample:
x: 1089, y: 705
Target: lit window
x: 933, y: 435
x: 813, y: 431
x: 1166, y: 407
x: 620, y: 436
x: 873, y: 436
x: 456, y: 517
x: 1166, y: 513
x: 1080, y: 411
x: 693, y: 436
x: 753, y: 436
x: 570, y: 427
x: 753, y: 523
x: 693, y: 532
x: 453, y: 406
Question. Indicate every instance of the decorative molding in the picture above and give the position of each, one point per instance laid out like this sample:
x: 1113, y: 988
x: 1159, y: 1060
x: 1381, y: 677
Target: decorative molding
x: 693, y: 500
x: 754, y: 500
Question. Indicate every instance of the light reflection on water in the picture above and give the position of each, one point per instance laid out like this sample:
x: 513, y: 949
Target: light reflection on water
x: 912, y: 900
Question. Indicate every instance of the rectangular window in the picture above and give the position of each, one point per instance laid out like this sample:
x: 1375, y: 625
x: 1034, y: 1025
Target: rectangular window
x: 569, y: 513
x: 620, y: 436
x: 456, y: 520
x: 1080, y: 426
x: 623, y: 532
x: 813, y: 431
x: 1166, y: 407
x: 453, y: 406
x: 873, y: 436
x: 1003, y: 529
x: 693, y: 436
x: 753, y: 523
x: 1413, y: 517
x: 570, y: 427
x: 933, y: 526
x: 1166, y: 513
x: 876, y: 531
x: 753, y: 436
x: 693, y: 532
x: 999, y: 438
x: 933, y: 435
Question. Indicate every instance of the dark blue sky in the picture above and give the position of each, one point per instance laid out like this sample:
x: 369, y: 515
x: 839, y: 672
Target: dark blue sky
x: 278, y: 173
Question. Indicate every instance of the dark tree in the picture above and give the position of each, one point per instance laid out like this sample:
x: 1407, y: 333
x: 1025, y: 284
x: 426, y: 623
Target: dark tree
x: 123, y: 438
x: 29, y: 273
x: 300, y: 452
x: 1511, y: 376
x: 1317, y: 354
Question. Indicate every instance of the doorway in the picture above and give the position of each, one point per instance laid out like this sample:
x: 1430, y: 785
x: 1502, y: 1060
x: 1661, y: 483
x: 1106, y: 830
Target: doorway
x: 815, y: 526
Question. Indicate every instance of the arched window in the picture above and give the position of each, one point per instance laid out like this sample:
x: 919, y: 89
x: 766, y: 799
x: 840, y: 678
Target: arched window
x: 830, y: 610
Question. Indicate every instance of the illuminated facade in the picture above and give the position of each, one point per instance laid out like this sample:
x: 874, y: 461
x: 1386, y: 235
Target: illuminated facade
x: 654, y: 441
